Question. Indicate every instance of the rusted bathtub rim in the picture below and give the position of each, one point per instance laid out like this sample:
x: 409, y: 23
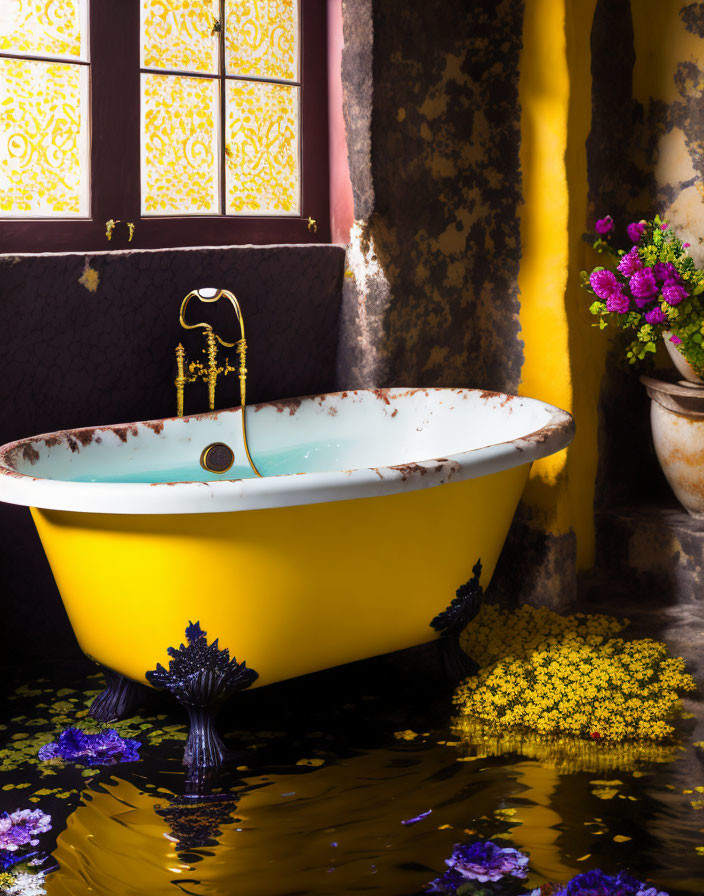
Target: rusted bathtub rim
x: 281, y: 490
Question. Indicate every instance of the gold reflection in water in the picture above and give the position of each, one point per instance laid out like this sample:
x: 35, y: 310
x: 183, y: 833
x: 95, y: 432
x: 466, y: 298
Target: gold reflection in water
x: 537, y: 825
x: 566, y: 754
x: 337, y: 827
x: 326, y: 829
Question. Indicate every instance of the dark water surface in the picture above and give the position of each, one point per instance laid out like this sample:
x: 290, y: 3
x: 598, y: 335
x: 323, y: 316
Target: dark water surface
x: 326, y: 769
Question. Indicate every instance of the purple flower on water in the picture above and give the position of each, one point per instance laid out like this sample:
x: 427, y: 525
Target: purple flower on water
x: 635, y: 230
x: 630, y: 263
x: 643, y: 284
x: 655, y: 316
x: 72, y: 741
x: 618, y: 302
x: 8, y: 859
x: 603, y: 283
x: 483, y: 861
x: 22, y: 828
x: 106, y: 748
x: 604, y: 225
x: 49, y: 751
x: 417, y: 817
x: 109, y: 747
x: 673, y: 292
x: 598, y: 883
x: 665, y: 270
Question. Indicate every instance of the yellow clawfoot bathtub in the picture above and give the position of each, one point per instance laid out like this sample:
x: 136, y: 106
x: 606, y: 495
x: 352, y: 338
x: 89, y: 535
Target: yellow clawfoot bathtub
x: 373, y: 508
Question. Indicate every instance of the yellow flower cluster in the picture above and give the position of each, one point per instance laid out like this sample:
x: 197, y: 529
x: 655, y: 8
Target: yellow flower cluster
x: 569, y: 675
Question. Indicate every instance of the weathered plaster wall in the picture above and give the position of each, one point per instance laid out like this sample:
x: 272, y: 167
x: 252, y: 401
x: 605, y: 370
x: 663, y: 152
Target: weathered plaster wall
x: 437, y: 190
x: 483, y: 143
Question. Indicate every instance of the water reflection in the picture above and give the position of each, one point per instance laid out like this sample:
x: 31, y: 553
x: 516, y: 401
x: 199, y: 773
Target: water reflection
x: 337, y: 828
x: 317, y: 806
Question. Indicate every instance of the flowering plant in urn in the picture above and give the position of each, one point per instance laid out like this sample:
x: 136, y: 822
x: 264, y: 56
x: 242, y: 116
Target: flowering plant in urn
x: 652, y: 288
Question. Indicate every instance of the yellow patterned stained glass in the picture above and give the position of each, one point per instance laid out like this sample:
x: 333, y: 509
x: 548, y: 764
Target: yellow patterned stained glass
x: 261, y: 38
x: 180, y: 35
x: 179, y: 145
x: 44, y: 27
x: 261, y: 148
x: 44, y: 167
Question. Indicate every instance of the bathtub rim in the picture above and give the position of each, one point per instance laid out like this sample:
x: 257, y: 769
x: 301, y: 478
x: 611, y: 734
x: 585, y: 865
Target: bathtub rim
x: 284, y: 490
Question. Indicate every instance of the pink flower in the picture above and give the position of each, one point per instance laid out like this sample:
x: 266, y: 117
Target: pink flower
x: 604, y: 225
x: 655, y: 316
x: 630, y: 263
x: 635, y: 230
x: 603, y: 283
x: 617, y: 302
x: 664, y: 226
x: 686, y: 245
x: 673, y: 293
x: 666, y: 271
x: 643, y: 284
x: 675, y: 340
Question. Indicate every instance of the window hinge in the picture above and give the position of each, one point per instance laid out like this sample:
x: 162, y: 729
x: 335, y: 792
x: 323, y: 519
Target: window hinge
x: 217, y: 27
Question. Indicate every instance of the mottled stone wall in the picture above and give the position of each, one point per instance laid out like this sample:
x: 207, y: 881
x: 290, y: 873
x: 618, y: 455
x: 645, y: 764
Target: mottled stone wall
x: 90, y: 340
x: 430, y: 292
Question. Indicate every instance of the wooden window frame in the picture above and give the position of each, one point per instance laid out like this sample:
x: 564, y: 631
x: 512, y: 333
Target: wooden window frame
x: 115, y: 155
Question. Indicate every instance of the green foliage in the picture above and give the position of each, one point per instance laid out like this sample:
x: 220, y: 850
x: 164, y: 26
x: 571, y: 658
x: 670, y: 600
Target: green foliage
x: 685, y: 321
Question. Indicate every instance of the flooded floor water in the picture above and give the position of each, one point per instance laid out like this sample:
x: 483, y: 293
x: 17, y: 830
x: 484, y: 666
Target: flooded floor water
x: 326, y: 771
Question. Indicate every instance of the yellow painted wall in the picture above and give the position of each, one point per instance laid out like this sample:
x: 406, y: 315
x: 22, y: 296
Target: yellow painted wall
x: 563, y: 356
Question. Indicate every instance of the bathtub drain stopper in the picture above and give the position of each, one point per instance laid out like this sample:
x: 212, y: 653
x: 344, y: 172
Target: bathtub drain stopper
x: 217, y: 458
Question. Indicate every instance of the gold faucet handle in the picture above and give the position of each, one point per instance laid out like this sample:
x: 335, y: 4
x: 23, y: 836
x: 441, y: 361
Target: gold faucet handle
x: 209, y: 295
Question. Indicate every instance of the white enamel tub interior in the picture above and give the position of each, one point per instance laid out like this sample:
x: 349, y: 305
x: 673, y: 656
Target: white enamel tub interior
x: 332, y: 447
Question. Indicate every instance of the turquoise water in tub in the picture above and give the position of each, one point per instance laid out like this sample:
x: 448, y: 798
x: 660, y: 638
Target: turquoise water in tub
x: 308, y: 458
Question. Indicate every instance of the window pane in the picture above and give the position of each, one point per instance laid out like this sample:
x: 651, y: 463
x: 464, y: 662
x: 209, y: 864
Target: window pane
x: 261, y: 38
x: 44, y: 147
x: 262, y: 148
x: 44, y: 27
x: 179, y: 145
x: 178, y: 35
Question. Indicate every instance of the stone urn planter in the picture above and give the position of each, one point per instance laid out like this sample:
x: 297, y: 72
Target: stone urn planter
x: 684, y: 368
x: 677, y: 422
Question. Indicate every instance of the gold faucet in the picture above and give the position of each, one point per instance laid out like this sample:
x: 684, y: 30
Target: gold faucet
x: 190, y: 371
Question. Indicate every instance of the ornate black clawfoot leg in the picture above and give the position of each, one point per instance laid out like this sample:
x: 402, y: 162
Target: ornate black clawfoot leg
x: 119, y: 699
x: 452, y: 622
x: 201, y: 676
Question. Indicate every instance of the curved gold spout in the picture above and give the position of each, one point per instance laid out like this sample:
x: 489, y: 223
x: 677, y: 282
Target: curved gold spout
x: 210, y: 374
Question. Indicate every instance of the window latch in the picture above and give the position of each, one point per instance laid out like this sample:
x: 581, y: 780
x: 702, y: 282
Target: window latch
x: 312, y: 225
x: 217, y: 27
